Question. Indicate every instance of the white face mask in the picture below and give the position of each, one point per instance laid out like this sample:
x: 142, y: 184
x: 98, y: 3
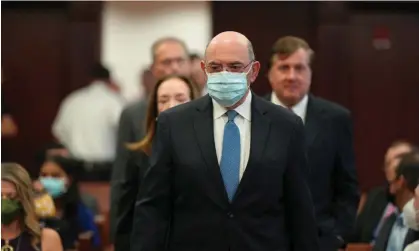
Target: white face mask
x: 411, y: 216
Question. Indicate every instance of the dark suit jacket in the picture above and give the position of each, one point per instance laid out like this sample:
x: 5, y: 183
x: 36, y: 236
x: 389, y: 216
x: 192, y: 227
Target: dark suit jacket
x: 131, y: 129
x: 333, y: 178
x: 124, y: 203
x: 183, y: 205
x: 370, y: 216
x: 384, y: 235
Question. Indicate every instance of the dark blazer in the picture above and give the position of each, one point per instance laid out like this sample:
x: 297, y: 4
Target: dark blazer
x: 384, y: 235
x: 183, y: 205
x: 368, y: 219
x: 131, y: 129
x: 333, y: 178
x: 124, y: 194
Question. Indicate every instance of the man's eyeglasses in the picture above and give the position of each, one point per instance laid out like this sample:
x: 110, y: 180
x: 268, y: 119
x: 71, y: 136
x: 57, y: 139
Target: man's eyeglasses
x: 233, y: 67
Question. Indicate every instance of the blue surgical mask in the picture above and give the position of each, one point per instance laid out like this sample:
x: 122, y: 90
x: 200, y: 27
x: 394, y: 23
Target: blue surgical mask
x: 54, y: 186
x: 227, y: 88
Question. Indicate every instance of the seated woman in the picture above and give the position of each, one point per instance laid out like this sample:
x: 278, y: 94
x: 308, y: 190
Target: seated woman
x: 58, y: 149
x: 20, y: 229
x: 57, y: 176
x: 168, y: 92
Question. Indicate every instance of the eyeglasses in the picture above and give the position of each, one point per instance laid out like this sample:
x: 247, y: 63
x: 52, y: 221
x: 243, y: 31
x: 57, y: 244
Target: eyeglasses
x: 232, y: 67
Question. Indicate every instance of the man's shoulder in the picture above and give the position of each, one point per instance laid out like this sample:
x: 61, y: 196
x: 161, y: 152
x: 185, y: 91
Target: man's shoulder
x: 74, y: 96
x: 187, y: 108
x: 275, y: 112
x: 135, y: 107
x: 330, y: 107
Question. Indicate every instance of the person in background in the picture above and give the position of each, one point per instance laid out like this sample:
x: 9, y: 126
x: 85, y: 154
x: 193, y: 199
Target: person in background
x: 228, y: 170
x: 148, y: 81
x: 8, y: 125
x: 168, y: 92
x: 170, y: 56
x: 329, y: 140
x: 197, y: 75
x: 58, y: 176
x: 411, y: 218
x: 380, y: 203
x: 87, y: 123
x: 57, y: 149
x: 20, y: 228
x: 394, y: 235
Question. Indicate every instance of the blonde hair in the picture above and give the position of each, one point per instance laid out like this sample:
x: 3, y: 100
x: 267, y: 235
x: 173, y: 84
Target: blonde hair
x: 16, y: 174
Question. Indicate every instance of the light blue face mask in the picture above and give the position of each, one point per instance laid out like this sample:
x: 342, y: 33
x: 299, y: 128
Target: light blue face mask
x: 54, y: 186
x: 227, y: 88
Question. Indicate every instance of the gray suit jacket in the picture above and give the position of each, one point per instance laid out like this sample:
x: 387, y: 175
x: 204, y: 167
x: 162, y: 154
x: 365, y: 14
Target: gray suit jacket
x: 131, y: 129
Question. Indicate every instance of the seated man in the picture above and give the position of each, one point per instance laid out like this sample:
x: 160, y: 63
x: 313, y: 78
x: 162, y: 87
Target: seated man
x: 394, y: 235
x: 411, y: 218
x: 380, y: 203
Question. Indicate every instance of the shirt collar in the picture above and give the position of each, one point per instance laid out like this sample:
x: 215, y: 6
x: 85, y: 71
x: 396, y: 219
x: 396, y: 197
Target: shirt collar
x: 299, y: 109
x: 244, y: 109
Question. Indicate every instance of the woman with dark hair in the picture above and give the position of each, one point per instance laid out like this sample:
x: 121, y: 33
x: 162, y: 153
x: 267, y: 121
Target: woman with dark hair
x: 20, y: 228
x: 58, y: 178
x: 167, y: 93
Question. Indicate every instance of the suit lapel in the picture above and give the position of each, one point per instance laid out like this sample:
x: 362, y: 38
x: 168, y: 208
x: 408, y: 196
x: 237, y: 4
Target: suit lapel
x: 204, y: 131
x: 260, y: 126
x: 411, y: 236
x: 384, y: 234
x: 312, y: 123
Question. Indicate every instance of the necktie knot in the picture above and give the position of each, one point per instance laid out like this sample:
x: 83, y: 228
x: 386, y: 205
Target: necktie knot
x: 399, y: 221
x: 231, y: 115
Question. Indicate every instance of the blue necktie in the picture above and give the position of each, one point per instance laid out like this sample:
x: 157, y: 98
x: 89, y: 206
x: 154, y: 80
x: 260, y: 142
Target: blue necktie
x: 230, y: 156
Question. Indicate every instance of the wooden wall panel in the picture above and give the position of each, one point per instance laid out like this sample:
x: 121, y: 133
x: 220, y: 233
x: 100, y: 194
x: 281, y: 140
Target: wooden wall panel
x: 47, y: 51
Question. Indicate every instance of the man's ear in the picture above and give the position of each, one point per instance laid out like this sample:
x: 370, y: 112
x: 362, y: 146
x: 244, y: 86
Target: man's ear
x: 255, y: 71
x: 403, y: 182
x: 153, y: 69
x: 203, y: 65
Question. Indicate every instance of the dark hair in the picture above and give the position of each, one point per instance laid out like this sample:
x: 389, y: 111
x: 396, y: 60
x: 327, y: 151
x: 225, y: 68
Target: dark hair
x: 71, y: 199
x: 42, y: 154
x: 100, y: 72
x: 152, y: 112
x: 161, y: 41
x: 409, y: 169
x: 286, y: 46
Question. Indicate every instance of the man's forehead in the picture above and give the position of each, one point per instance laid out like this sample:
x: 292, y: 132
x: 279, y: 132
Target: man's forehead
x: 225, y: 55
x: 298, y: 56
x: 170, y: 48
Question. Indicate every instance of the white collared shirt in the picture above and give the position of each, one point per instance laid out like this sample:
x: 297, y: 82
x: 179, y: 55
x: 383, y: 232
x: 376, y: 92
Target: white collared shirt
x: 242, y: 121
x: 299, y: 109
x: 87, y: 122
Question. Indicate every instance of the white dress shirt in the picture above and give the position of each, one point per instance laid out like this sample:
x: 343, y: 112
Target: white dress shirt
x: 412, y: 247
x: 242, y: 121
x: 299, y: 109
x: 87, y: 122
